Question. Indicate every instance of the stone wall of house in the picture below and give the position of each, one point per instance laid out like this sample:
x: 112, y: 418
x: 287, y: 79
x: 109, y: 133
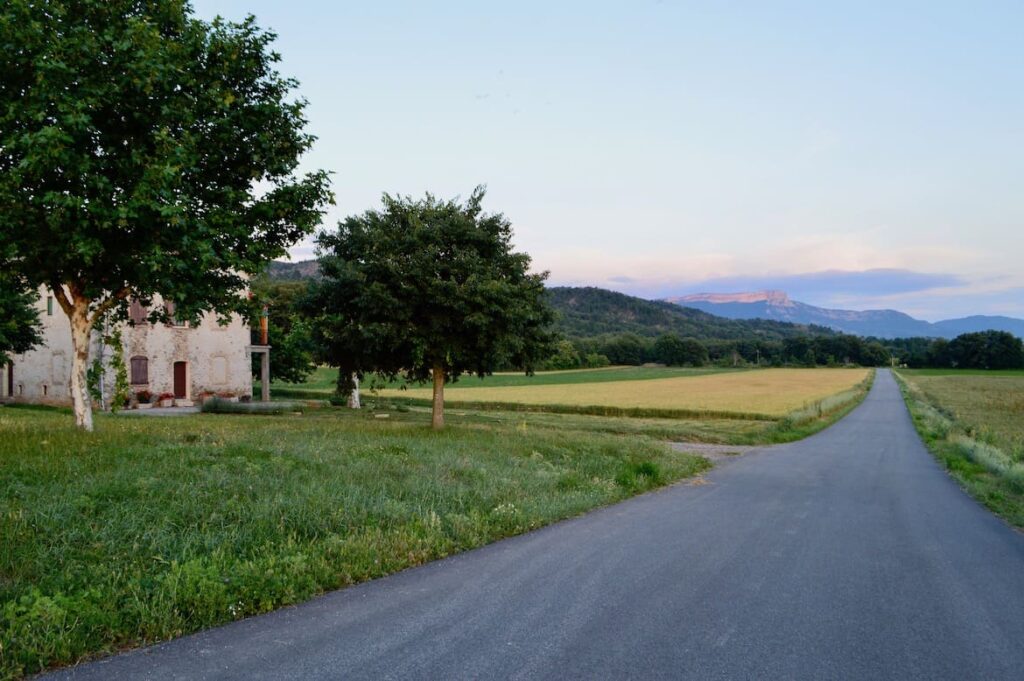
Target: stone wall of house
x: 216, y: 357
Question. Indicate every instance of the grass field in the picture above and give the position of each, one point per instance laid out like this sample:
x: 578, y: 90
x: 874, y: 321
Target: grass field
x: 154, y: 527
x: 974, y: 423
x: 962, y: 372
x: 766, y: 393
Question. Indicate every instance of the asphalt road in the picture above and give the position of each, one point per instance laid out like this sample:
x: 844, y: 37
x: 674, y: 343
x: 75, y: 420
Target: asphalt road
x: 849, y: 555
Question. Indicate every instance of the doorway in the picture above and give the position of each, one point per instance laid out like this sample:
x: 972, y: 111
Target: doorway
x: 181, y: 380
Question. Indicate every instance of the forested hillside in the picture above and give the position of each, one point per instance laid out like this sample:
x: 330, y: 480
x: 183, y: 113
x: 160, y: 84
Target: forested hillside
x: 589, y: 311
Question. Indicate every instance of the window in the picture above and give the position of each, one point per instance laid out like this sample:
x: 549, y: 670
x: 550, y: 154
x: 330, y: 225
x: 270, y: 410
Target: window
x: 49, y: 306
x: 137, y: 312
x: 140, y: 370
x: 171, y: 307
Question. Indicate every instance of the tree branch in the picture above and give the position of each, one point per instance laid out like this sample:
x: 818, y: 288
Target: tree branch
x: 105, y: 306
x: 62, y: 297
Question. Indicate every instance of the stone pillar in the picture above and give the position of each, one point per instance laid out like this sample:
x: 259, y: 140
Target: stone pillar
x: 265, y: 375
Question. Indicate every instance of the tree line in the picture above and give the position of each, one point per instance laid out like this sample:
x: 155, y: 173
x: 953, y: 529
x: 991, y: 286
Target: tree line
x: 673, y: 350
x: 978, y: 350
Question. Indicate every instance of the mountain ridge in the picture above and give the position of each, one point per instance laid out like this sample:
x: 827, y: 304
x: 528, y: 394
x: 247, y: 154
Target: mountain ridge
x: 884, y: 323
x: 590, y: 311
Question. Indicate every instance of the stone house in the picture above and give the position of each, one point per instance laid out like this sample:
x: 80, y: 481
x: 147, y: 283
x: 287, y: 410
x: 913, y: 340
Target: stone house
x: 181, y: 359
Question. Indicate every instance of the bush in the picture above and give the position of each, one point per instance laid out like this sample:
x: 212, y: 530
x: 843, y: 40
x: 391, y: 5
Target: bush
x: 216, y: 405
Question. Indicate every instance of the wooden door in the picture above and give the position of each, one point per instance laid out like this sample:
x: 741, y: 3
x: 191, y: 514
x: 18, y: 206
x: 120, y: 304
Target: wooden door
x: 180, y: 380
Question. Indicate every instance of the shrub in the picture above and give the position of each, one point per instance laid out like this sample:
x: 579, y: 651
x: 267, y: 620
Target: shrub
x: 216, y: 405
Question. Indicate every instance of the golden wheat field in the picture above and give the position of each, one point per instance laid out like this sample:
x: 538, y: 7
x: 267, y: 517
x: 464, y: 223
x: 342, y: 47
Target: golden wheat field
x: 773, y: 392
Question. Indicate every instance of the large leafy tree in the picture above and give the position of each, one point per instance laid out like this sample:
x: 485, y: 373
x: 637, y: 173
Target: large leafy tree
x: 428, y: 289
x: 145, y: 152
x: 987, y: 350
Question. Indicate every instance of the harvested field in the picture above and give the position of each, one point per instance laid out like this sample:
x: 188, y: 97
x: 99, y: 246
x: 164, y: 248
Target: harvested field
x: 768, y: 392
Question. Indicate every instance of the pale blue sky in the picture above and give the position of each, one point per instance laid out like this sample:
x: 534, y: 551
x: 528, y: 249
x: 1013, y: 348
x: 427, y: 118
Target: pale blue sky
x: 859, y: 155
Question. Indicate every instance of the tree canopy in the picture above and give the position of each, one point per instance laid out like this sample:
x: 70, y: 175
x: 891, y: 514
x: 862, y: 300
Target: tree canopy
x: 143, y: 152
x: 428, y: 288
x: 19, y: 319
x: 672, y: 350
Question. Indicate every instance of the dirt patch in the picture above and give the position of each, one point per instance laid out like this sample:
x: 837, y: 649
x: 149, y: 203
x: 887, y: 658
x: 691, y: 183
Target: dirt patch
x: 715, y: 453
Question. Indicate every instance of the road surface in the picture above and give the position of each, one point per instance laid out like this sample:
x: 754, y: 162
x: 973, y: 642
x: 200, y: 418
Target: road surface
x: 849, y: 555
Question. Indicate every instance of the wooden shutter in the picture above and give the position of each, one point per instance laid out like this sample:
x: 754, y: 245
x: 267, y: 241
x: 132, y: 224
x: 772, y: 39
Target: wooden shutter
x: 137, y: 312
x: 140, y: 370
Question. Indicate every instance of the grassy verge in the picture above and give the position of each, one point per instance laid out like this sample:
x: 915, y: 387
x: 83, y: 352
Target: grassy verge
x: 152, y: 528
x: 977, y: 440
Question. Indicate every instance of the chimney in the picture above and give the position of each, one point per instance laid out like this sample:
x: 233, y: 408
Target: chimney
x: 264, y: 331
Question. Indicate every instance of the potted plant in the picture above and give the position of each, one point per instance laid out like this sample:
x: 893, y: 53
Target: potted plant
x: 143, y: 399
x: 228, y: 396
x: 166, y: 400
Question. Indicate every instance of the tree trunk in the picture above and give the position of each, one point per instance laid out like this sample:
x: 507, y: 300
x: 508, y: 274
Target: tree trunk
x: 81, y: 328
x: 437, y: 418
x: 353, y: 397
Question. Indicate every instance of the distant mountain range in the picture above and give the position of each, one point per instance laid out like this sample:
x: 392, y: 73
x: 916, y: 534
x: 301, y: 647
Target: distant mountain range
x: 292, y: 271
x: 776, y: 305
x: 589, y: 311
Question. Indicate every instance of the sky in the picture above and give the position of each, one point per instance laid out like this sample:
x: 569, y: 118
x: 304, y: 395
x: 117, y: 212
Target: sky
x: 856, y: 155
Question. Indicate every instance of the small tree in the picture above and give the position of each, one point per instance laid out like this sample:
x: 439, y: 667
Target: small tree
x: 19, y: 319
x: 18, y: 316
x: 133, y: 138
x: 292, y: 358
x: 428, y: 289
x: 565, y: 357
